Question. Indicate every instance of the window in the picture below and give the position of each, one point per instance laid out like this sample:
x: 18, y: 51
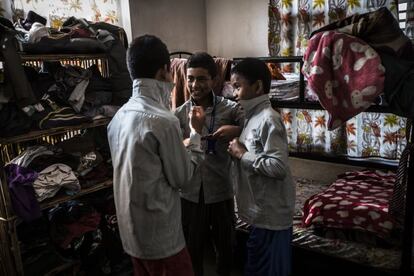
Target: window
x: 402, y: 12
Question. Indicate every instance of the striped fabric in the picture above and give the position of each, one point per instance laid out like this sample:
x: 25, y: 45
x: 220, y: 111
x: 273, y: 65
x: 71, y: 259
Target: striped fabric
x: 64, y: 116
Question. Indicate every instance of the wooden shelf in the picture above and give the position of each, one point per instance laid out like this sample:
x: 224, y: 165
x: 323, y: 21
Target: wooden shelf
x: 10, y: 253
x: 32, y: 135
x: 58, y: 57
x: 63, y: 198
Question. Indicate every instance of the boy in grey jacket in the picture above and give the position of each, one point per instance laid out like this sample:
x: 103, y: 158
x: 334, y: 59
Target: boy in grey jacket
x: 151, y: 164
x: 265, y: 191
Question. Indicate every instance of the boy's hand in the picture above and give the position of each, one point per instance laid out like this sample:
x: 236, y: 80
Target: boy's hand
x: 236, y: 149
x: 197, y: 118
x: 186, y: 142
x: 227, y: 132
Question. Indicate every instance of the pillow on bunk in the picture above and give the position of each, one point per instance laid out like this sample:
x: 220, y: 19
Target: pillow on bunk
x: 356, y: 200
x: 344, y: 72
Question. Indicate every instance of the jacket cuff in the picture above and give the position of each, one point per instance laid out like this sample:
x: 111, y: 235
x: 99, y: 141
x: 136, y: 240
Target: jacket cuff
x: 248, y: 159
x: 195, y: 141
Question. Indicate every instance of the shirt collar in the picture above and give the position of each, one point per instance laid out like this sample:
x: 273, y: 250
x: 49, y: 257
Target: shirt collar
x: 249, y: 106
x: 159, y: 91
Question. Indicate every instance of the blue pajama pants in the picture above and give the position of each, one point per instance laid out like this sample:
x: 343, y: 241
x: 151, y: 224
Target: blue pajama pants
x: 269, y: 252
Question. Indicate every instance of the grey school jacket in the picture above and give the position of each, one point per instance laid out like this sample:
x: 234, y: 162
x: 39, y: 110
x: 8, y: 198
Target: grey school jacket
x: 150, y: 164
x: 265, y: 190
x: 214, y: 172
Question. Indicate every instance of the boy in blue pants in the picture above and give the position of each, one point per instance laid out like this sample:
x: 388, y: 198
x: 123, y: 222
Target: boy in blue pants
x: 265, y: 191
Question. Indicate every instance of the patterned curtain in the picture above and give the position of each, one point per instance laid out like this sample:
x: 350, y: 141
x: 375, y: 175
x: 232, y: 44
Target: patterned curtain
x: 292, y: 21
x: 367, y: 135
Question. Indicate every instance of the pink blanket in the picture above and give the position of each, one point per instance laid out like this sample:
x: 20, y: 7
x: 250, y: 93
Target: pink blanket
x: 345, y: 73
x: 357, y: 200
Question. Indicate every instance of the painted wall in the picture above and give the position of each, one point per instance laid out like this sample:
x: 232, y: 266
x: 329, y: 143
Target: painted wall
x: 181, y: 24
x: 237, y: 28
x: 125, y: 18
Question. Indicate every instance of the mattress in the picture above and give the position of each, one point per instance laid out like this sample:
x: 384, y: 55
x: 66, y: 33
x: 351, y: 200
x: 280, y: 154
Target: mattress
x: 387, y: 257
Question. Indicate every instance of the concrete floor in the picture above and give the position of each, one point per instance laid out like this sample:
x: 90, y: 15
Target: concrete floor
x: 318, y: 171
x: 210, y: 264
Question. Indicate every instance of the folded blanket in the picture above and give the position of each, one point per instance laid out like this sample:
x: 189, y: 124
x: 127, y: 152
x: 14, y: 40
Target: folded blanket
x: 357, y: 200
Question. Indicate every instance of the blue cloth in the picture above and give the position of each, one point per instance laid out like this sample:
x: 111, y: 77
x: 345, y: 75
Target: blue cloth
x: 269, y: 252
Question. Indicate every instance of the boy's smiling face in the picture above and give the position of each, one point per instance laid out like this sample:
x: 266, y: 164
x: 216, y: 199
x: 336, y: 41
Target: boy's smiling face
x: 243, y: 90
x: 199, y: 82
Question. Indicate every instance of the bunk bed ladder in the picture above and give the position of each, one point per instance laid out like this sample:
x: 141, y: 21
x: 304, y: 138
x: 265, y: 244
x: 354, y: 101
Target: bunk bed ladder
x: 407, y: 242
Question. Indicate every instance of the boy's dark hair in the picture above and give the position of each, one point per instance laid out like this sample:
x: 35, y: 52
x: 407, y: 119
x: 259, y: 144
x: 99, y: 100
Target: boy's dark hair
x: 203, y: 60
x: 146, y: 55
x: 253, y: 69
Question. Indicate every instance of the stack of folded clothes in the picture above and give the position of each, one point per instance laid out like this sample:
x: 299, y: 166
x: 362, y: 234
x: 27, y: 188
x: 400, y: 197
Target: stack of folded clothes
x: 285, y: 90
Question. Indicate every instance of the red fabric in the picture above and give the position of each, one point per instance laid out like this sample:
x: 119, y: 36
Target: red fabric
x: 275, y: 71
x: 357, y: 200
x: 179, y: 264
x: 223, y: 69
x: 180, y: 93
x: 345, y: 73
x: 87, y: 223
